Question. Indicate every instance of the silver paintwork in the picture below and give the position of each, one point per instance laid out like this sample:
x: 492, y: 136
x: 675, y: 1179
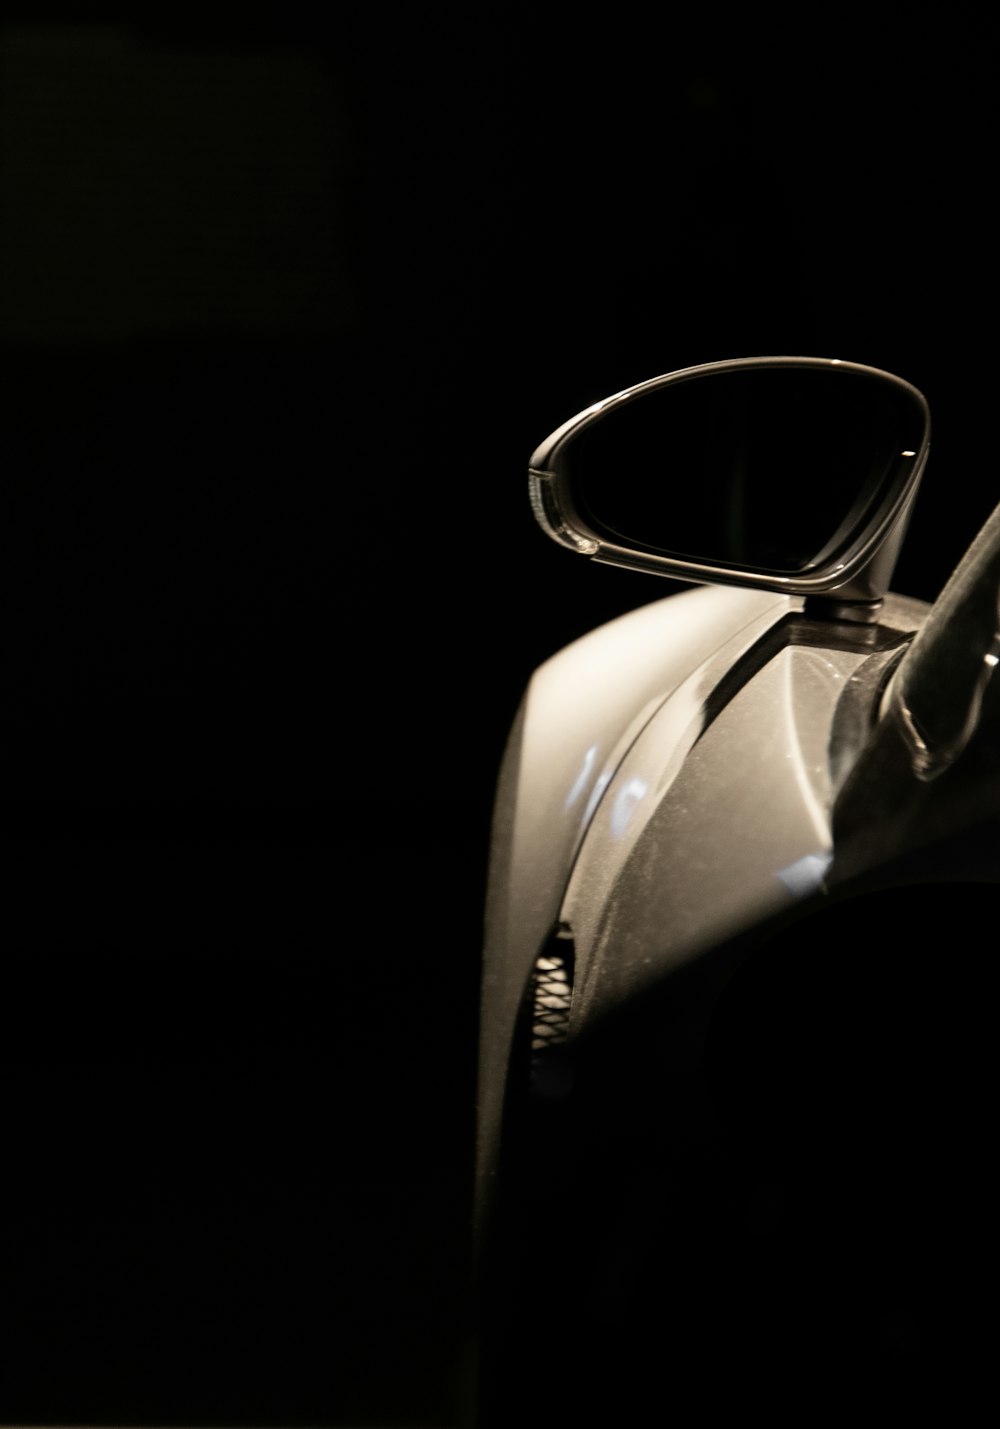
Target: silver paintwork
x: 581, y: 714
x: 706, y: 831
x: 727, y: 829
x: 614, y: 798
x: 674, y: 779
x: 617, y: 795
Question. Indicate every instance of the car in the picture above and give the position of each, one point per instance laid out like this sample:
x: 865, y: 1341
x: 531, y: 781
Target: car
x: 736, y: 1068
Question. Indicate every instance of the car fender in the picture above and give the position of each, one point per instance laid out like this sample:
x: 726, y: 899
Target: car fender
x: 582, y: 712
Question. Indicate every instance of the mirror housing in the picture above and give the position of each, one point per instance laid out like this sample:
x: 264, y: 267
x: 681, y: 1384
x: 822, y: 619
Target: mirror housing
x: 791, y: 474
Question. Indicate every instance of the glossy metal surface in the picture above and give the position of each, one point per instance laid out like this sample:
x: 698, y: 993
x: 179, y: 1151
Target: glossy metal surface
x: 653, y: 802
x: 581, y: 714
x: 699, y: 799
x: 693, y: 845
x: 705, y: 831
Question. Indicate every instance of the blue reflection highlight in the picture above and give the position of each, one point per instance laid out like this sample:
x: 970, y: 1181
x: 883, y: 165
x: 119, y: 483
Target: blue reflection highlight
x: 806, y: 875
x: 625, y: 804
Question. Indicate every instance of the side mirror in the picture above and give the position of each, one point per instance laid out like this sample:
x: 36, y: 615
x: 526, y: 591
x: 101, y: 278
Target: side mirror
x: 779, y: 473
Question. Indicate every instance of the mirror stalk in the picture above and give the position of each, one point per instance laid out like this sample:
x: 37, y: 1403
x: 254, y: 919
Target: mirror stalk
x: 854, y: 612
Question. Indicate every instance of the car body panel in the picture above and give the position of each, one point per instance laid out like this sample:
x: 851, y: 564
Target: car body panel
x: 734, y: 1033
x: 580, y: 714
x: 625, y: 713
x: 620, y: 785
x: 694, y: 845
x: 706, y: 830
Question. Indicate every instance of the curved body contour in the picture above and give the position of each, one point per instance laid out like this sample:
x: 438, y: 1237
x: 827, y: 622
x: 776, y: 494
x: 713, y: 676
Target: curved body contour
x: 604, y: 825
x: 730, y: 1098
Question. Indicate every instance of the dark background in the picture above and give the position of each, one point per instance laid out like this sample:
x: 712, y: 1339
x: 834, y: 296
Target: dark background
x: 285, y: 304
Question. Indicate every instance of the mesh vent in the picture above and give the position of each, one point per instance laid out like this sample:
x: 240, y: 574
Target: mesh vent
x: 551, y: 998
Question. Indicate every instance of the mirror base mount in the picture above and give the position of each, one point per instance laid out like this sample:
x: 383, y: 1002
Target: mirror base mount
x: 855, y: 612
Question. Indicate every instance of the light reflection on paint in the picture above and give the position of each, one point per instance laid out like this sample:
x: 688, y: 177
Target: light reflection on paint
x: 811, y: 802
x: 806, y: 875
x: 595, y: 796
x: 580, y: 783
x: 624, y: 805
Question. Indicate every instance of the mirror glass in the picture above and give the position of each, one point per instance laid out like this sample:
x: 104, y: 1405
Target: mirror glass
x: 770, y: 469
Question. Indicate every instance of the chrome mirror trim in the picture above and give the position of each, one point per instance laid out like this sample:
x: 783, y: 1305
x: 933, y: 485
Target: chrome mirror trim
x: 855, y: 575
